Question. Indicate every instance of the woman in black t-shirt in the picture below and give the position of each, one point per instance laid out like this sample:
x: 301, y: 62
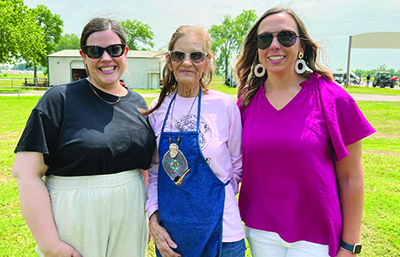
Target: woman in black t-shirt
x: 79, y: 158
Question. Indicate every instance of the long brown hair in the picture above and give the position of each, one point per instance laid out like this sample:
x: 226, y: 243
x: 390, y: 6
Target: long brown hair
x: 169, y: 81
x: 248, y: 82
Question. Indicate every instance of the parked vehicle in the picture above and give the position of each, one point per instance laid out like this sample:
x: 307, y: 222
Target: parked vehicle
x: 230, y: 83
x: 340, y: 77
x: 384, y: 79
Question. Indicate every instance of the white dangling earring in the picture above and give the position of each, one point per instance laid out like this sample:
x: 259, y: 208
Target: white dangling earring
x: 300, y: 65
x: 259, y: 74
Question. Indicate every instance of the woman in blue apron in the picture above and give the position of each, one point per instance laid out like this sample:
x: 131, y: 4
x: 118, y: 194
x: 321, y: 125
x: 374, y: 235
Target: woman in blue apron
x: 196, y: 171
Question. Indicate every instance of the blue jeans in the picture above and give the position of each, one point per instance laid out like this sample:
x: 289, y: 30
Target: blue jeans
x: 233, y: 249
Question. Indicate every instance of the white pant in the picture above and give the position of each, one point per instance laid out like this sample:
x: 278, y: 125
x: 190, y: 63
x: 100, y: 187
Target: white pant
x: 264, y: 243
x: 101, y: 216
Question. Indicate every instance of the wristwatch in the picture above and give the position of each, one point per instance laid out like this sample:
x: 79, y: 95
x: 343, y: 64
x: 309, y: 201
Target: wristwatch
x: 355, y: 248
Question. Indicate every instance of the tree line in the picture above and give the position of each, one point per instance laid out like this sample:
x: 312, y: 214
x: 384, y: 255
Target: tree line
x: 383, y: 67
x: 30, y: 34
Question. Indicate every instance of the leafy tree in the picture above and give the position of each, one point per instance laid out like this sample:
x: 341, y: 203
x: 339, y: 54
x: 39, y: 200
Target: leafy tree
x: 51, y: 25
x: 20, y: 35
x: 382, y: 67
x: 138, y: 35
x: 3, y: 66
x: 20, y: 66
x: 372, y: 72
x: 67, y: 41
x: 229, y: 36
x: 358, y: 72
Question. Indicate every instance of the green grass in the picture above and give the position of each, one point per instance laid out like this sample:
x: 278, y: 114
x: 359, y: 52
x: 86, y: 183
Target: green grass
x: 12, y: 82
x: 381, y: 161
x: 21, y: 76
x: 216, y: 84
x: 15, y: 237
x: 372, y: 90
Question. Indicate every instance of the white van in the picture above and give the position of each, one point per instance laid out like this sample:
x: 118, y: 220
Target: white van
x: 340, y: 77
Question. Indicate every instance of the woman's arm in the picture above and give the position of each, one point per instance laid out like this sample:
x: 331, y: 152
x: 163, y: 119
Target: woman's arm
x: 235, y: 147
x: 28, y: 170
x: 350, y: 178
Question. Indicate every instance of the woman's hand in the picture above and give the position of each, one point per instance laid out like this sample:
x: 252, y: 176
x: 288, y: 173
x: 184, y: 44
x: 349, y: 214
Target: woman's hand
x: 161, y: 237
x: 60, y: 250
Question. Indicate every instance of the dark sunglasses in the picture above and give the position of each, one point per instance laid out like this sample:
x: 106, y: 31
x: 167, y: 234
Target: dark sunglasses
x: 96, y: 52
x: 179, y: 56
x: 285, y: 38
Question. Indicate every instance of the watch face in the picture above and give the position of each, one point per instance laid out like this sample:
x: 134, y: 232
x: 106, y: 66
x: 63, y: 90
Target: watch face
x: 357, y: 248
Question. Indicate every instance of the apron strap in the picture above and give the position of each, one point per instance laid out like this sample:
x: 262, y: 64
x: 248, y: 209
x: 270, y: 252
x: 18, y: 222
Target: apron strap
x: 166, y: 115
x: 198, y: 111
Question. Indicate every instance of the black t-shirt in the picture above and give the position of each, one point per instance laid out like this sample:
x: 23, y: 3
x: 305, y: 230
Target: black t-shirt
x: 79, y: 134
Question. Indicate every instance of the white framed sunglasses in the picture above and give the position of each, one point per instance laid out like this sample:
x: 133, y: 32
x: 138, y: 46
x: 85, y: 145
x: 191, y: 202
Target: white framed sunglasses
x: 180, y: 56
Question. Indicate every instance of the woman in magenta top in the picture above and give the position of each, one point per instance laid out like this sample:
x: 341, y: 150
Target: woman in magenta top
x: 302, y: 190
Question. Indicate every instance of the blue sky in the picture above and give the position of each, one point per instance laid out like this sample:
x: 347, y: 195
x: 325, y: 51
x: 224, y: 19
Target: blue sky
x: 330, y: 22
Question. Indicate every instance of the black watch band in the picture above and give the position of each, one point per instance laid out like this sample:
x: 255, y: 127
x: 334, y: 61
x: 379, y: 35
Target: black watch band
x: 355, y: 248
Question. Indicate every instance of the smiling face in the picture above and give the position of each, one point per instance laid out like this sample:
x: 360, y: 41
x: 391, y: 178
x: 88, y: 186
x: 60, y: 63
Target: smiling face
x: 277, y: 59
x: 105, y: 71
x: 187, y: 73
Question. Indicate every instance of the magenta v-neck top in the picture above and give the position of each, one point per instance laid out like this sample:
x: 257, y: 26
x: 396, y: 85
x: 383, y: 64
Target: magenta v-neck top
x: 289, y: 185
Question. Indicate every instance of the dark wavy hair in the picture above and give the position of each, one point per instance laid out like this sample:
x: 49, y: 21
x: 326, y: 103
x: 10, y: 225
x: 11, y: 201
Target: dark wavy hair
x: 248, y: 82
x: 169, y: 81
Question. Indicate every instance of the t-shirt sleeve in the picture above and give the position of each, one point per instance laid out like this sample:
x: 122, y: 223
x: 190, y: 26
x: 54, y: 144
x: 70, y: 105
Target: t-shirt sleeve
x: 40, y: 135
x: 142, y: 103
x: 41, y: 132
x: 345, y: 121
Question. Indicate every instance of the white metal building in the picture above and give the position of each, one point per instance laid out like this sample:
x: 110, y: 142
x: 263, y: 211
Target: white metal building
x: 143, y: 68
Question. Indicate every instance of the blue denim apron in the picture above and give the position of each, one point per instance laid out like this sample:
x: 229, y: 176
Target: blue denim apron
x: 190, y: 196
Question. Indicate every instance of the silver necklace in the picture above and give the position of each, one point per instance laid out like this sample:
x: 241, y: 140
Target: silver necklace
x: 174, y: 147
x: 174, y: 161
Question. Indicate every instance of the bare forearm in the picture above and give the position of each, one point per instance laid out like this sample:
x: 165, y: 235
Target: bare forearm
x: 28, y: 170
x: 350, y: 178
x: 36, y: 210
x: 352, y: 202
